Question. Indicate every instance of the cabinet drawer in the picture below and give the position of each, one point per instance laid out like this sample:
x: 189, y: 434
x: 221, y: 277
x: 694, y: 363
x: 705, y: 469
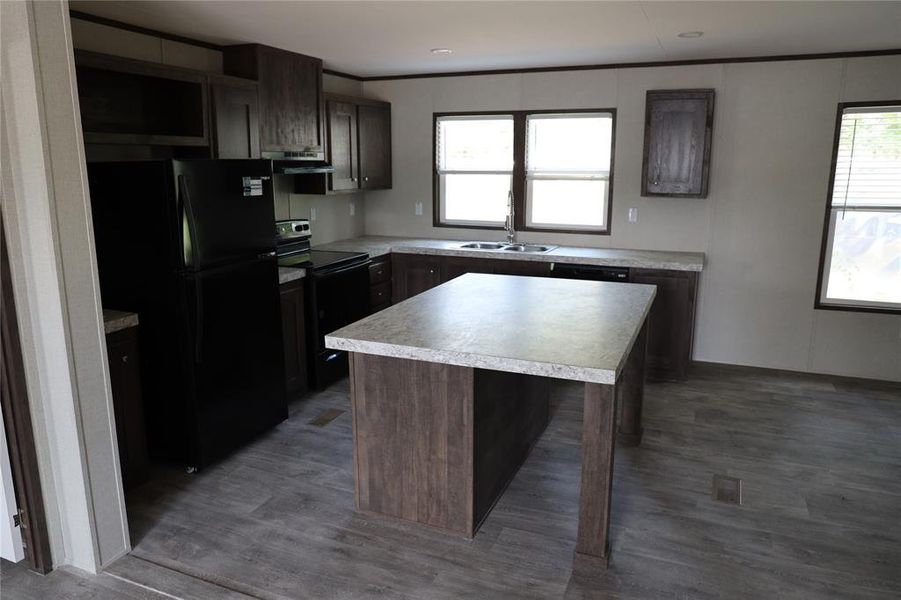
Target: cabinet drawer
x: 379, y: 272
x: 380, y: 294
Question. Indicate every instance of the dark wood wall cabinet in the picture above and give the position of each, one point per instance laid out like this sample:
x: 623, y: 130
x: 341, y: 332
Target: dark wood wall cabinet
x: 677, y: 139
x: 128, y: 404
x: 670, y: 323
x: 132, y: 109
x: 126, y: 101
x: 294, y: 336
x: 235, y: 117
x: 359, y: 147
x: 291, y: 103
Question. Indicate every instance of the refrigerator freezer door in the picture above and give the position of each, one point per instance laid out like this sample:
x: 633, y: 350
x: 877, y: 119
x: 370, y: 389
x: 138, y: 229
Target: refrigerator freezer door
x: 234, y: 328
x: 225, y: 211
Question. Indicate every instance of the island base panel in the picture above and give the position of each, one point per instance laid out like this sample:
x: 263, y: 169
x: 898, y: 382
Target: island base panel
x: 437, y: 444
x: 630, y: 392
x: 598, y: 427
x: 511, y: 412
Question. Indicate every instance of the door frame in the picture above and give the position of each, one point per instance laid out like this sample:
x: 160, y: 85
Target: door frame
x: 19, y: 431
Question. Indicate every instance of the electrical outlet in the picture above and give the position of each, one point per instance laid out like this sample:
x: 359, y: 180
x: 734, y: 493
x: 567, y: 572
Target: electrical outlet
x: 353, y: 208
x: 417, y: 209
x: 312, y: 213
x: 633, y: 215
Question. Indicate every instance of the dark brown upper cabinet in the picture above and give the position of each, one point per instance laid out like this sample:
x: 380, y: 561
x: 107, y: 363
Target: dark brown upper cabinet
x: 375, y: 145
x: 125, y: 101
x: 677, y: 138
x: 235, y: 117
x: 359, y: 147
x: 291, y: 104
x: 342, y: 145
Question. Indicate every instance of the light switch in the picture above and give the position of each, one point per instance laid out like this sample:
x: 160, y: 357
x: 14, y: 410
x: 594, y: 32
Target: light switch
x: 417, y: 209
x: 353, y: 208
x: 633, y: 215
x: 312, y: 213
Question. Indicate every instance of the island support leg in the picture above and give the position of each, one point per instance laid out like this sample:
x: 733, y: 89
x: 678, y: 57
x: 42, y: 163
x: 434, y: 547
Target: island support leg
x: 630, y: 392
x: 598, y: 427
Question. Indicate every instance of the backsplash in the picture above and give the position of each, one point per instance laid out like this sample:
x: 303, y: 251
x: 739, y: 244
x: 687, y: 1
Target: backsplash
x: 332, y: 219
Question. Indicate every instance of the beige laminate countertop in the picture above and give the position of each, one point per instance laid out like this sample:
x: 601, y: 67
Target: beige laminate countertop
x: 611, y: 257
x: 476, y: 320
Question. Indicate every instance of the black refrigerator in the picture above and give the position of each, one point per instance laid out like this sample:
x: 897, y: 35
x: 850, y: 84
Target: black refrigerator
x: 189, y: 245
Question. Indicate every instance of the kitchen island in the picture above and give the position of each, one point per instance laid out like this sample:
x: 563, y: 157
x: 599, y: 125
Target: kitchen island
x: 449, y: 392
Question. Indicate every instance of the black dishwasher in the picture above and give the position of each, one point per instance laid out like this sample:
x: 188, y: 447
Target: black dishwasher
x: 590, y: 272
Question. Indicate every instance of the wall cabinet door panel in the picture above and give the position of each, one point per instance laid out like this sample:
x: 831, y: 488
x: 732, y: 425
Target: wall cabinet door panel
x: 235, y: 119
x: 342, y: 130
x: 375, y: 146
x: 291, y: 108
x: 678, y: 133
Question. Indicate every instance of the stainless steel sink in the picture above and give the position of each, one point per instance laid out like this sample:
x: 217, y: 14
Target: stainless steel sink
x: 528, y: 248
x: 484, y: 245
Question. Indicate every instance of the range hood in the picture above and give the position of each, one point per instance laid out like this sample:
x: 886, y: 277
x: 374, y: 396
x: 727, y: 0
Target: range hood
x: 302, y: 162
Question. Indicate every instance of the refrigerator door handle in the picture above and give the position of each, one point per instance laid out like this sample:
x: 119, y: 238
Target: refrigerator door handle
x: 189, y: 244
x: 188, y: 250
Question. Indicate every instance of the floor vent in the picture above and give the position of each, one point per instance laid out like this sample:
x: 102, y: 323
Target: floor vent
x: 326, y: 417
x: 727, y: 489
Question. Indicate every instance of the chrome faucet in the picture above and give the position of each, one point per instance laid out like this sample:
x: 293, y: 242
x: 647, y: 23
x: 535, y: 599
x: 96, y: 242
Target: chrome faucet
x: 508, y: 223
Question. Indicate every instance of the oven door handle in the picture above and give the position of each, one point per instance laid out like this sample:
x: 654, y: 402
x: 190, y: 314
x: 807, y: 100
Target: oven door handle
x: 326, y: 273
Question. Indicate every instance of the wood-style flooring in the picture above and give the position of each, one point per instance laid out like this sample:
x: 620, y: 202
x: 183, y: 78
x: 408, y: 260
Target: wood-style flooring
x: 819, y: 459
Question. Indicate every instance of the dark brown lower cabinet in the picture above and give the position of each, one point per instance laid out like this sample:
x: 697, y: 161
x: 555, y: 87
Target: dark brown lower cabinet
x: 413, y: 274
x: 128, y: 405
x: 670, y: 322
x: 294, y: 336
x: 380, y: 275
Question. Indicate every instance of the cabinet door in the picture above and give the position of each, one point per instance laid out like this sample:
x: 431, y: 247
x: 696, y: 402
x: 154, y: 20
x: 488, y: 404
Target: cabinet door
x: 294, y: 336
x: 375, y: 146
x: 128, y: 405
x: 670, y: 322
x: 291, y: 107
x: 412, y: 274
x: 236, y: 120
x: 454, y: 266
x: 342, y: 135
x: 678, y: 132
x: 526, y: 268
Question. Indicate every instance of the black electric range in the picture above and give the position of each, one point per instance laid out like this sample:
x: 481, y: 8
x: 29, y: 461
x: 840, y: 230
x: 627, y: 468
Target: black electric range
x: 337, y: 294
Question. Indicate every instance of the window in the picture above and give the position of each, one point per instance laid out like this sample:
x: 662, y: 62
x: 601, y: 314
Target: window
x: 568, y: 170
x: 861, y: 254
x: 557, y: 166
x: 475, y: 168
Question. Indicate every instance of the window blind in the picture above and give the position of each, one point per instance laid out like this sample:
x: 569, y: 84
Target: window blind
x: 868, y: 161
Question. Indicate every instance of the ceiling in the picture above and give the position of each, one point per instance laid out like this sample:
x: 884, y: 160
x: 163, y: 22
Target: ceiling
x: 374, y: 38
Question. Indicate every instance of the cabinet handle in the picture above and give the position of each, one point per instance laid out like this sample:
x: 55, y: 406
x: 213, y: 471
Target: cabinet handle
x: 365, y: 179
x: 125, y: 358
x: 354, y: 179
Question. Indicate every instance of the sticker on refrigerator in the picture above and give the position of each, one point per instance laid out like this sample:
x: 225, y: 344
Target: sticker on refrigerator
x: 253, y: 186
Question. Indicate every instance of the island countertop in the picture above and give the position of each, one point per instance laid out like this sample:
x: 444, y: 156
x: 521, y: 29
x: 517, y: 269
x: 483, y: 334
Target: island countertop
x: 376, y: 246
x: 568, y: 329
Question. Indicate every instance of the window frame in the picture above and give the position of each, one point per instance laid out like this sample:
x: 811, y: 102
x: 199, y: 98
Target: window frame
x: 519, y: 170
x: 826, y: 241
